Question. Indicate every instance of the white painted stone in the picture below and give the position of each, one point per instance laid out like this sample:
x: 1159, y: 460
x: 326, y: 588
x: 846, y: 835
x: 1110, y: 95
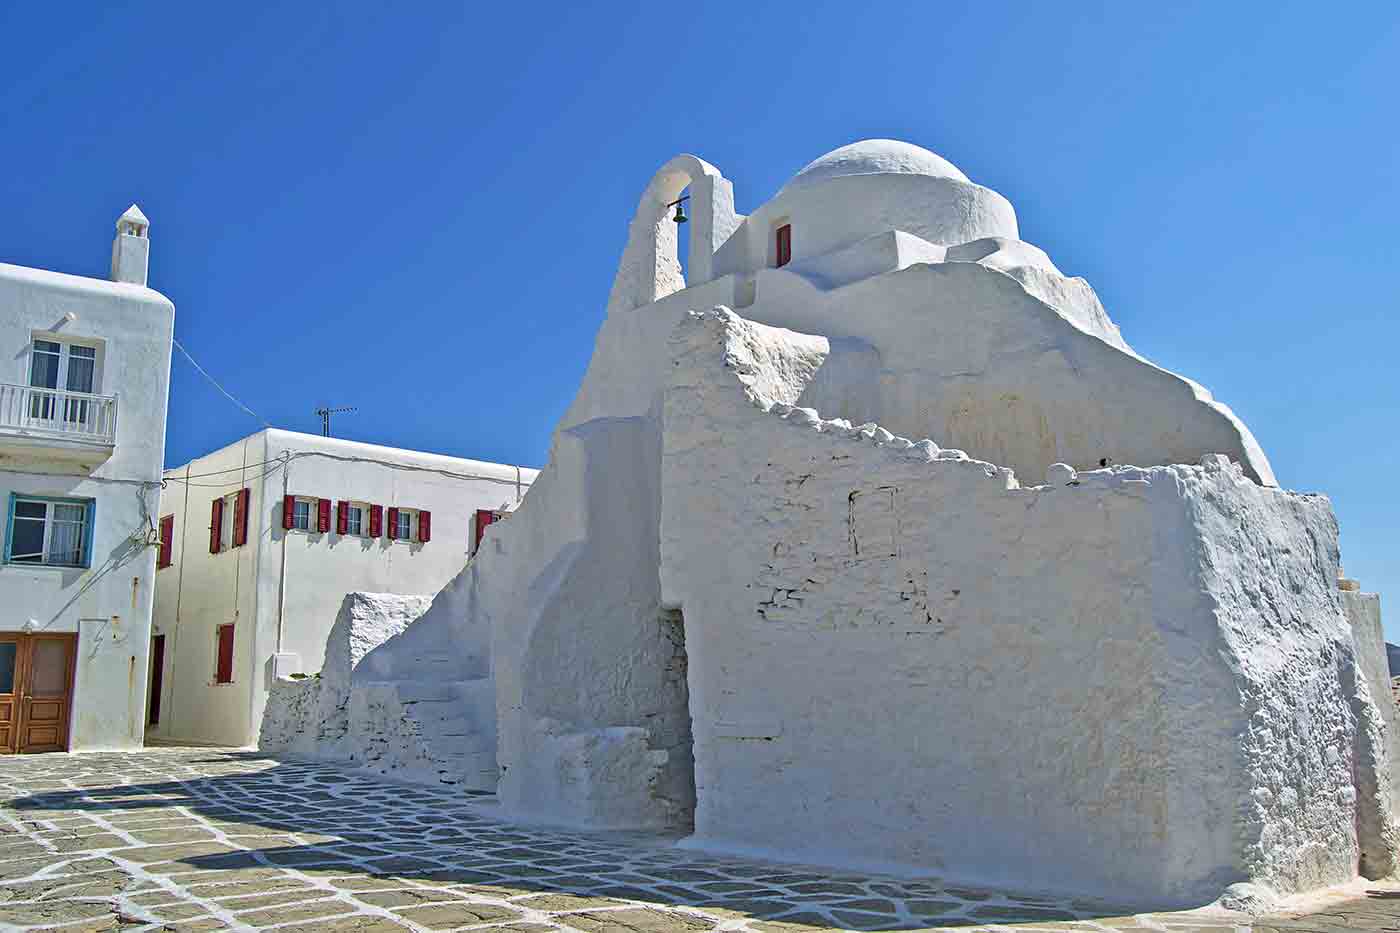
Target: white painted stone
x: 1060, y: 697
x: 740, y: 587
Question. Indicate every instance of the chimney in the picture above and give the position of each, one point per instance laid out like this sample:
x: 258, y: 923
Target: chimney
x: 132, y: 247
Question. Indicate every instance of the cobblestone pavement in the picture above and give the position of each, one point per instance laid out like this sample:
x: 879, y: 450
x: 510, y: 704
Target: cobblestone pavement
x: 200, y: 839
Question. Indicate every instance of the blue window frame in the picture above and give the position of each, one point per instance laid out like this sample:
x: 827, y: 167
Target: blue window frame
x: 44, y: 531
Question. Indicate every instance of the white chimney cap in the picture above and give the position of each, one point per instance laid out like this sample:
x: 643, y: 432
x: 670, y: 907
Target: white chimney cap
x: 133, y: 215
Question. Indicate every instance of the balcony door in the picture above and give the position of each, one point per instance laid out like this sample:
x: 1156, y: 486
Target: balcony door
x: 36, y: 691
x: 70, y: 367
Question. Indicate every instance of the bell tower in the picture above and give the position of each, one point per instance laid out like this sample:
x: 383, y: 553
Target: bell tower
x: 132, y: 247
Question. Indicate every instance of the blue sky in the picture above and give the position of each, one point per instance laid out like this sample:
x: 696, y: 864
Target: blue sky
x: 420, y: 214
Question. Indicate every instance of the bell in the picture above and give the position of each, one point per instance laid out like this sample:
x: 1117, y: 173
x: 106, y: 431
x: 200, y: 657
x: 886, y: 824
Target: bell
x: 680, y: 217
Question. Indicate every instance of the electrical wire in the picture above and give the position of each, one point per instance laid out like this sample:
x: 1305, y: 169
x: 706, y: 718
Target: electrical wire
x: 216, y: 385
x: 297, y: 455
x: 229, y: 470
x: 224, y: 485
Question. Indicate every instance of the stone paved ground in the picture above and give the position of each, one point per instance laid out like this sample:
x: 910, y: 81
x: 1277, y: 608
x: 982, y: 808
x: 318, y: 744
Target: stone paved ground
x: 199, y: 839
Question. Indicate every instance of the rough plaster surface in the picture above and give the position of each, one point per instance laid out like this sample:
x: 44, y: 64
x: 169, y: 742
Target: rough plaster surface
x: 934, y: 666
x: 722, y: 603
x: 438, y: 731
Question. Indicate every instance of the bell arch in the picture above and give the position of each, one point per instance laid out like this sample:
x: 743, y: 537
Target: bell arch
x: 650, y: 267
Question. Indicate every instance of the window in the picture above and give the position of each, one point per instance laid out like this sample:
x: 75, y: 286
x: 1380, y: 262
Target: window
x: 223, y: 662
x: 51, y: 532
x: 228, y: 521
x: 350, y: 518
x: 782, y: 245
x: 306, y: 513
x: 69, y: 366
x: 166, y: 553
x: 484, y: 517
x: 404, y: 527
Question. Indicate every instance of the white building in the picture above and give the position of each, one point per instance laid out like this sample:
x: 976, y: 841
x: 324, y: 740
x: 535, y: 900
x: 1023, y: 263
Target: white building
x: 855, y: 573
x: 84, y: 379
x: 264, y: 540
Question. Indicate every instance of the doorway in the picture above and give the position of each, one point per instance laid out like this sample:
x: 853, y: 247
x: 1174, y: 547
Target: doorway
x: 36, y: 691
x: 157, y: 680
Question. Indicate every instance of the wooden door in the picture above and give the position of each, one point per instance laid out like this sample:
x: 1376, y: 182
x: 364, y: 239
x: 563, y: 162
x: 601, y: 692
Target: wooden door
x: 40, y: 700
x: 9, y: 690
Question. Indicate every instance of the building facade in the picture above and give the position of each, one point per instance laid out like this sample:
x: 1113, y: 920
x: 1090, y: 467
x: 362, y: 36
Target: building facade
x: 262, y: 541
x: 83, y: 392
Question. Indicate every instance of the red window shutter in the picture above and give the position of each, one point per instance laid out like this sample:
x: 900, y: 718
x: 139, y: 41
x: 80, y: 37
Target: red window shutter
x: 289, y: 510
x: 164, y: 557
x: 323, y: 515
x: 216, y: 525
x: 393, y: 522
x: 784, y: 244
x: 240, y: 518
x: 484, y: 517
x: 342, y: 517
x: 425, y: 525
x: 376, y: 520
x: 223, y: 667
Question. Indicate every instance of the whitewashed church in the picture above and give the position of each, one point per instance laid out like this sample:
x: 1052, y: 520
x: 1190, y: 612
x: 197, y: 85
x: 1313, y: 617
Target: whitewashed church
x: 872, y: 542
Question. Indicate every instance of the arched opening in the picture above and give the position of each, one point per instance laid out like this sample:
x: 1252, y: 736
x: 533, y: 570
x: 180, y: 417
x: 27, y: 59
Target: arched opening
x: 683, y: 234
x: 652, y: 266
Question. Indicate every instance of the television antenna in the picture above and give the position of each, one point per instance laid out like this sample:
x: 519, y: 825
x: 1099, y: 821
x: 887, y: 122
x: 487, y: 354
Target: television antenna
x: 325, y: 413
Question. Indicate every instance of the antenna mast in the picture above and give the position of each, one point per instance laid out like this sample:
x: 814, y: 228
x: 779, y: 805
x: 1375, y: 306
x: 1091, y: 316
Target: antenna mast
x: 325, y: 412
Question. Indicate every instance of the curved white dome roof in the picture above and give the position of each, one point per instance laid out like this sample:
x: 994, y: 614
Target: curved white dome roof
x: 876, y: 157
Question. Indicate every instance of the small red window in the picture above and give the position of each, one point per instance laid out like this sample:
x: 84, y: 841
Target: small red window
x: 289, y: 511
x: 393, y: 522
x: 484, y: 517
x: 783, y: 253
x: 425, y: 525
x: 164, y: 557
x: 240, y: 518
x: 342, y: 517
x: 223, y: 666
x: 216, y: 525
x: 323, y: 515
x: 376, y: 520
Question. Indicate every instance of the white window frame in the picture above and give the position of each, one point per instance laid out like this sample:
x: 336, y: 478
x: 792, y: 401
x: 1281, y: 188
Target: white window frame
x: 46, y: 558
x: 226, y: 522
x: 65, y: 354
x: 411, y: 516
x: 312, y: 504
x: 363, y: 530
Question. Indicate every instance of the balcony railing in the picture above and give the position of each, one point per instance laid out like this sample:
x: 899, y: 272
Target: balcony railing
x: 58, y: 414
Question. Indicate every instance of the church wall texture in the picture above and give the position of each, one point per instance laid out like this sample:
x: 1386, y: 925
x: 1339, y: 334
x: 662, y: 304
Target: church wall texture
x: 900, y: 657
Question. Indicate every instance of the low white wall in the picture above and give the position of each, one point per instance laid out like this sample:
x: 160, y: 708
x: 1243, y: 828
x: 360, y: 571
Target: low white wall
x: 440, y: 732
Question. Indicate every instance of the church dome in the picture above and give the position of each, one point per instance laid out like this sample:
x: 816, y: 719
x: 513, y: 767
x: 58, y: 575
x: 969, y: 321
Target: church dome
x: 876, y: 157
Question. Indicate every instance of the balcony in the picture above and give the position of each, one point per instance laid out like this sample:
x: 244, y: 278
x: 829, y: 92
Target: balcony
x: 56, y: 423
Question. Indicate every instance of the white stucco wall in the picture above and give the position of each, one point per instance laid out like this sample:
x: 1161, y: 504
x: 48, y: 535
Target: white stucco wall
x: 898, y: 656
x: 290, y: 611
x: 108, y: 604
